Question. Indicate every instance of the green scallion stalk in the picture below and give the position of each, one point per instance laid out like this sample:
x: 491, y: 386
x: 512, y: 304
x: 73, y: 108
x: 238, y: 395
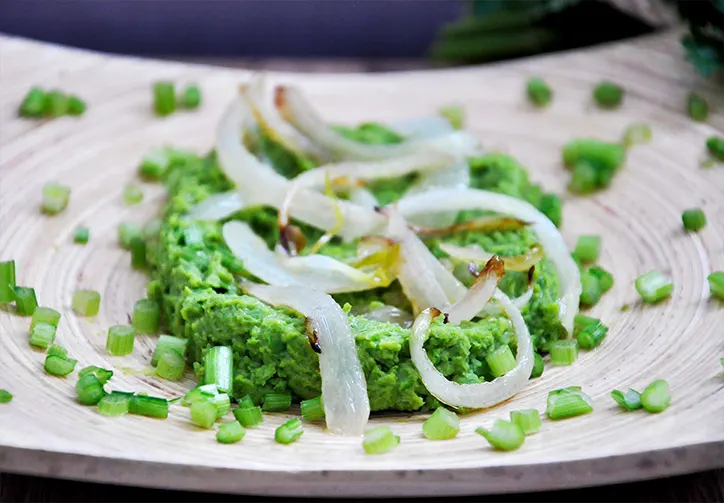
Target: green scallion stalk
x: 146, y: 316
x: 716, y: 284
x: 312, y: 409
x: 132, y: 194
x: 249, y: 416
x: 501, y: 361
x: 588, y: 249
x: 168, y: 343
x: 697, y: 107
x: 171, y: 366
x: 455, y: 115
x: 89, y: 389
x: 42, y: 335
x: 289, y: 432
x: 25, y: 300
x: 591, y: 336
x: 637, y: 134
x: 538, y: 366
x: 103, y: 375
x: 76, y: 106
x: 604, y: 156
x: 45, y: 315
x: 539, y: 92
x: 504, y: 436
x: 222, y: 401
x: 5, y: 396
x: 230, y: 433
x: 120, y: 340
x: 715, y: 145
x: 219, y: 368
x: 138, y: 253
x: 276, y: 402
x: 590, y: 289
x: 164, y: 98
x: 127, y: 232
x: 584, y: 178
x: 190, y: 97
x: 443, y: 424
x: 656, y: 397
x: 86, y: 302
x: 379, y: 440
x: 527, y: 419
x: 55, y: 198
x: 82, y: 235
x: 608, y: 95
x: 7, y: 282
x: 56, y: 104
x: 563, y: 352
x: 246, y: 402
x: 552, y: 207
x: 33, y: 104
x: 205, y: 392
x: 693, y: 219
x: 117, y: 403
x: 59, y: 366
x: 155, y: 164
x: 630, y: 400
x: 203, y: 413
x: 568, y: 402
x: 149, y: 406
x: 56, y: 350
x: 605, y: 278
x: 654, y: 287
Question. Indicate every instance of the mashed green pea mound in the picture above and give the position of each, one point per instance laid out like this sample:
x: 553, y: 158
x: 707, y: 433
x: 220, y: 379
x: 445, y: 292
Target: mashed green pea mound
x: 195, y: 281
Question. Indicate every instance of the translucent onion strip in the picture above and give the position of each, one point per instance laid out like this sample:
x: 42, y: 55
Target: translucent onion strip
x: 217, y: 206
x: 479, y: 294
x: 474, y: 253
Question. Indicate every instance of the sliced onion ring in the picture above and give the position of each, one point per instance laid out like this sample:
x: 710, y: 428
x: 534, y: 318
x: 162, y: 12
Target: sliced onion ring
x: 486, y: 224
x: 474, y: 253
x: 344, y: 388
x: 479, y: 395
x: 217, y: 206
x: 479, y: 294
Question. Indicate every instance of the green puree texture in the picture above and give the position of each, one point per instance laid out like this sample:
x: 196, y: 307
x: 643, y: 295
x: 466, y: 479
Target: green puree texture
x: 194, y: 281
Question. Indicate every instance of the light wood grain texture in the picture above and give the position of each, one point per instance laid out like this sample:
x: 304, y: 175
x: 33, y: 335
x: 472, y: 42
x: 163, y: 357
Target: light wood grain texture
x: 43, y: 431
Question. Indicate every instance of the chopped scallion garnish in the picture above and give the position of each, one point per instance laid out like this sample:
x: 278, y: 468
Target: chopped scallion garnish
x: 190, y: 97
x: 168, y: 343
x: 527, y: 419
x: 33, y: 105
x: 591, y: 290
x: 25, y: 300
x: 552, y: 207
x: 55, y: 198
x: 654, y: 286
x: 249, y: 416
x: 656, y: 397
x: 584, y: 178
x: 715, y: 145
x: 539, y: 92
x: 276, y: 402
x: 56, y: 350
x: 501, y: 361
x: 716, y: 284
x: 127, y: 231
x: 120, y: 340
x: 56, y: 104
x: 637, y: 134
x: 455, y: 115
x: 312, y: 409
x: 58, y: 365
x: 5, y: 396
x: 155, y: 163
x: 608, y: 95
x: 171, y: 366
x: 117, y: 403
x: 138, y: 252
x: 81, y: 236
x: 563, y: 352
x: 222, y: 401
x: 164, y: 99
x: 289, y: 432
x: 591, y: 335
x: 42, y: 335
x: 86, y: 302
x: 149, y: 406
x: 538, y: 366
x: 45, y: 315
x: 203, y: 413
x: 103, y: 375
x: 132, y: 194
x: 630, y: 400
x: 697, y: 107
x: 605, y: 278
x: 693, y: 219
x: 76, y: 106
x: 146, y: 316
x: 588, y: 249
x: 504, y: 436
x: 568, y: 402
x: 443, y: 424
x: 230, y: 432
x: 7, y: 282
x: 89, y: 389
x: 219, y: 368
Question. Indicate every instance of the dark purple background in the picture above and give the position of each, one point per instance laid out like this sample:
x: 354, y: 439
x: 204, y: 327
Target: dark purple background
x: 259, y: 28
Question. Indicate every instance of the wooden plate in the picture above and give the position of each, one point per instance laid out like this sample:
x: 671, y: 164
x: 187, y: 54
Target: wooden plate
x: 43, y: 431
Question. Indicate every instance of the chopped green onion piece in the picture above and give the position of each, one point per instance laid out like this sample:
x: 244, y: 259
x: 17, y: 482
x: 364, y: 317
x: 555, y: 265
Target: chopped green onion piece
x: 205, y: 392
x: 33, y: 104
x: 25, y: 300
x: 222, y: 401
x: 246, y: 402
x: 539, y: 92
x: 164, y: 99
x: 552, y: 207
x: 76, y: 106
x: 312, y: 409
x: 604, y: 156
x: 117, y: 403
x: 86, y: 302
x: 5, y: 396
x: 171, y: 366
x: 219, y: 368
x: 249, y: 416
x: 132, y: 194
x: 716, y: 284
x: 149, y: 406
x: 568, y: 402
x: 289, y: 432
x: 146, y: 315
x: 103, y: 375
x: 656, y: 397
x: 59, y: 366
x: 527, y: 419
x: 203, y: 413
x: 138, y: 253
x: 190, y: 97
x: 563, y: 352
x: 693, y: 219
x: 379, y: 440
x: 588, y: 249
x: 56, y: 104
x: 504, y: 436
x: 443, y: 424
x: 56, y: 350
x: 155, y: 163
x: 168, y: 343
x: 631, y: 400
x: 501, y: 361
x: 584, y: 178
x: 605, y: 278
x: 120, y: 340
x: 276, y: 402
x: 55, y: 198
x: 715, y: 145
x: 698, y: 107
x: 45, y: 315
x: 590, y: 289
x: 654, y: 286
x: 591, y: 336
x: 455, y: 115
x: 89, y: 389
x: 637, y: 134
x: 538, y: 366
x: 230, y: 433
x: 7, y: 282
x: 127, y: 232
x: 42, y: 335
x: 81, y: 236
x: 608, y: 95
